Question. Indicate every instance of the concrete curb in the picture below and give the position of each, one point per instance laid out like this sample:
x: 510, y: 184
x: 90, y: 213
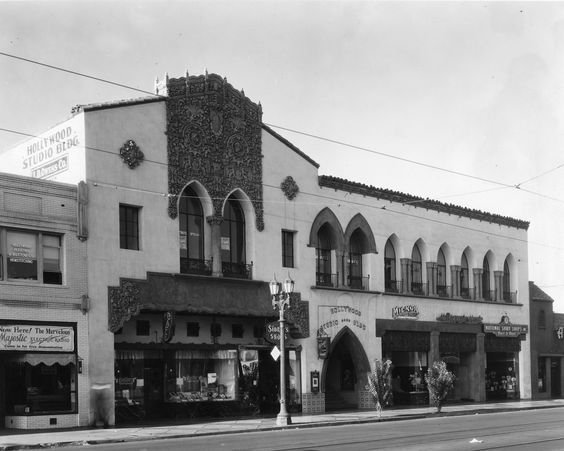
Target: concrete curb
x: 87, y: 442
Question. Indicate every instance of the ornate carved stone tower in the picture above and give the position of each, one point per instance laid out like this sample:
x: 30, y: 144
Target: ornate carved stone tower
x: 214, y: 136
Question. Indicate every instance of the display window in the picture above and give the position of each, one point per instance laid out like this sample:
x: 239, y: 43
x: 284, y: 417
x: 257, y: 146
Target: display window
x: 502, y: 381
x: 40, y: 384
x: 408, y: 377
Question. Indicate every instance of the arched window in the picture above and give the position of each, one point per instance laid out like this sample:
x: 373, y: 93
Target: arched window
x: 464, y: 281
x: 390, y: 282
x: 507, y: 295
x: 486, y: 293
x: 233, y: 240
x: 416, y: 271
x: 441, y: 274
x: 323, y: 257
x: 191, y: 219
x: 355, y: 260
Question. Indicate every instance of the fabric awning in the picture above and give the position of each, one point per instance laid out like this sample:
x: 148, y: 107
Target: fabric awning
x: 45, y: 358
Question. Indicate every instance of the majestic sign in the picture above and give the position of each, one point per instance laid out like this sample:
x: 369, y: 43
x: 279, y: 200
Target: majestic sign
x: 405, y: 312
x: 26, y: 337
x: 505, y: 328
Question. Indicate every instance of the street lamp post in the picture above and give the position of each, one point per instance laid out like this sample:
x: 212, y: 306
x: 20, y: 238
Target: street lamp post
x: 281, y: 301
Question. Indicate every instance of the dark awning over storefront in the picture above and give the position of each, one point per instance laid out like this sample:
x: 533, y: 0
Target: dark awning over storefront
x: 190, y: 294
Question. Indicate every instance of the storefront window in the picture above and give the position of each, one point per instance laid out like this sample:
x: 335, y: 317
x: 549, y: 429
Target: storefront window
x: 501, y: 375
x: 203, y: 376
x: 43, y: 384
x: 408, y: 373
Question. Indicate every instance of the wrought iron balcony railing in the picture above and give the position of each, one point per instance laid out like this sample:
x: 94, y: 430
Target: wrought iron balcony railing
x: 237, y: 270
x: 323, y: 279
x: 195, y: 266
x: 358, y: 282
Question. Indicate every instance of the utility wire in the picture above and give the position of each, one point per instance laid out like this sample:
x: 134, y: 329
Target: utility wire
x: 80, y: 74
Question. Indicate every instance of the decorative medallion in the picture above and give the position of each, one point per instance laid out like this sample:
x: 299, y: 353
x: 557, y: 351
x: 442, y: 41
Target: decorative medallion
x: 131, y: 154
x: 290, y: 188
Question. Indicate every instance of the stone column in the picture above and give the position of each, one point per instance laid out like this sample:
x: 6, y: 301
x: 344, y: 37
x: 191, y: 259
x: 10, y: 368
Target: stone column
x: 340, y: 267
x: 478, y: 283
x: 478, y: 370
x: 455, y: 281
x: 346, y: 268
x: 498, y: 279
x: 215, y: 224
x: 434, y: 351
x: 405, y: 275
x: 431, y: 278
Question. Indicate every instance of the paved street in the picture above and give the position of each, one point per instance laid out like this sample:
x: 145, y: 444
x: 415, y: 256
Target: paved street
x: 517, y: 430
x: 506, y: 424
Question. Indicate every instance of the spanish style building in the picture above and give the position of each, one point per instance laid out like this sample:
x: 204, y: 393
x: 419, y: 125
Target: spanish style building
x: 192, y: 205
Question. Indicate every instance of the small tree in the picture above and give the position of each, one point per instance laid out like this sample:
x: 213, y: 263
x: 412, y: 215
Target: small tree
x: 379, y: 384
x: 439, y: 382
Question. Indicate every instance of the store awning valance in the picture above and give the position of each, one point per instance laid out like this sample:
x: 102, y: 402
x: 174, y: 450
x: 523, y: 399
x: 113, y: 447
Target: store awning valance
x: 45, y: 358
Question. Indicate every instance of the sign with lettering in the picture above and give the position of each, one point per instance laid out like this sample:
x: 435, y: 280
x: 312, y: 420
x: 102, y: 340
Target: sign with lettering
x: 506, y: 330
x: 333, y: 318
x: 459, y: 319
x: 25, y: 337
x: 272, y: 332
x: 405, y: 312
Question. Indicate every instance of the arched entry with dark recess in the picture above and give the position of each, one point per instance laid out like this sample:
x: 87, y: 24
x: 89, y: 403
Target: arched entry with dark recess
x: 344, y: 372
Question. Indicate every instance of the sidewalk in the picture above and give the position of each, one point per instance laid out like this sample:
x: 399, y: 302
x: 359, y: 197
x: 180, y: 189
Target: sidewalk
x: 13, y: 440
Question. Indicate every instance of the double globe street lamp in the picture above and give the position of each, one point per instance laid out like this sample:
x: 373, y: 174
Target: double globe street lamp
x: 281, y: 301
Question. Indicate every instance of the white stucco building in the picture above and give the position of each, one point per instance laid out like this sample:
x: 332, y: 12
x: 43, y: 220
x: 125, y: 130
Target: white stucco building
x: 193, y: 204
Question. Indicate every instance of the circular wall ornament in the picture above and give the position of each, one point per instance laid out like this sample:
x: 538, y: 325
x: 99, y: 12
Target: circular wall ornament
x: 131, y: 154
x: 289, y: 187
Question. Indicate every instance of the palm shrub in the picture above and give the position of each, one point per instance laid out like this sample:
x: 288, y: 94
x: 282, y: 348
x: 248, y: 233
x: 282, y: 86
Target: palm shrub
x: 379, y: 384
x: 439, y: 382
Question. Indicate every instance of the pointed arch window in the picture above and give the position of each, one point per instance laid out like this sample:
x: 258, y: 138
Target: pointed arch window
x: 233, y: 242
x: 355, y: 260
x: 486, y: 293
x: 416, y: 271
x: 191, y: 220
x: 507, y: 294
x: 464, y: 278
x: 323, y: 257
x: 390, y: 282
x: 441, y: 274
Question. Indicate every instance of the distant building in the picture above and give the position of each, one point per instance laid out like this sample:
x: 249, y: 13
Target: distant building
x: 547, y: 346
x: 194, y: 204
x: 43, y: 306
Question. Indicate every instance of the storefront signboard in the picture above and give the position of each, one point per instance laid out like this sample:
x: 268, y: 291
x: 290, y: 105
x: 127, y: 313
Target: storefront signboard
x: 405, y: 312
x: 505, y: 328
x: 459, y: 319
x: 25, y: 337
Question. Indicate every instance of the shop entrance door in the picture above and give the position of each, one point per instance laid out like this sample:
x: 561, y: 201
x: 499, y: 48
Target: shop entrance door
x: 269, y: 376
x: 555, y: 387
x: 344, y: 373
x: 154, y: 381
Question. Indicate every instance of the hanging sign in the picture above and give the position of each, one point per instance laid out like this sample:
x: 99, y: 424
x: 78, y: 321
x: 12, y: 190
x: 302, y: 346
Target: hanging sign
x: 168, y: 326
x: 275, y: 353
x: 272, y: 332
x: 25, y: 337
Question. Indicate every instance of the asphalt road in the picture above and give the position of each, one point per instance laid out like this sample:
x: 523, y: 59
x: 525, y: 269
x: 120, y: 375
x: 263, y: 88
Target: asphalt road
x: 537, y: 430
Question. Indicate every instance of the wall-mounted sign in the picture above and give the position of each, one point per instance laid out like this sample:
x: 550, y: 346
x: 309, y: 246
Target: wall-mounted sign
x: 560, y: 333
x: 25, y: 337
x: 459, y: 319
x: 333, y: 318
x: 323, y: 347
x: 505, y: 328
x: 314, y: 379
x: 225, y: 243
x: 405, y: 312
x: 168, y: 326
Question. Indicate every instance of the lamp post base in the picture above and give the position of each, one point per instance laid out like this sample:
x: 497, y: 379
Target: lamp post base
x: 283, y: 419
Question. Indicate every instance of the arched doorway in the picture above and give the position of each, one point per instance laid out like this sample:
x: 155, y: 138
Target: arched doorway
x: 344, y: 372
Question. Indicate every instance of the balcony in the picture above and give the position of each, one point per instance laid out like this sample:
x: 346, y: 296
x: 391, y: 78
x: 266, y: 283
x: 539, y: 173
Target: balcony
x: 443, y: 291
x: 488, y: 295
x: 418, y: 288
x: 392, y: 286
x: 323, y: 279
x: 237, y: 270
x: 510, y: 297
x: 195, y: 266
x: 358, y: 282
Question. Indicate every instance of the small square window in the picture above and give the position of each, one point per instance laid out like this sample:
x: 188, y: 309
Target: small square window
x: 288, y: 249
x: 192, y: 329
x: 237, y: 330
x: 129, y: 227
x: 143, y: 327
